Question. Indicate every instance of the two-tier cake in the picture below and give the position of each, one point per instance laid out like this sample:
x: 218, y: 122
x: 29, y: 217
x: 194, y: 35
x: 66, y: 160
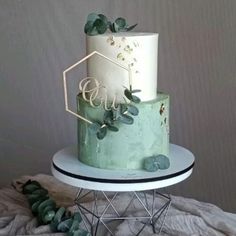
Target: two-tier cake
x: 120, y: 94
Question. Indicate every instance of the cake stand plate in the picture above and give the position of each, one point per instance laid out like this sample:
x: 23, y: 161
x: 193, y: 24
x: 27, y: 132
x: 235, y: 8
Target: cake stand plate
x: 67, y: 168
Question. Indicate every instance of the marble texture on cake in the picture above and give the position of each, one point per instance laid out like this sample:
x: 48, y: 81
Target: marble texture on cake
x: 127, y: 148
x: 137, y: 50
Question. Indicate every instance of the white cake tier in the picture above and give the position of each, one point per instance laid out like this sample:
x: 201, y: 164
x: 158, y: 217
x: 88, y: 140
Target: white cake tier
x: 137, y: 50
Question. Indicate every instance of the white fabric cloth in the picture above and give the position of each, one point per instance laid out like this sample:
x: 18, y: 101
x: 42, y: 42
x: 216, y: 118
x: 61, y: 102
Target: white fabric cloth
x: 186, y: 217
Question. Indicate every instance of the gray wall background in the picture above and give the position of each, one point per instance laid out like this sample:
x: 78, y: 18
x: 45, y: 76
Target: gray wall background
x: 197, y: 67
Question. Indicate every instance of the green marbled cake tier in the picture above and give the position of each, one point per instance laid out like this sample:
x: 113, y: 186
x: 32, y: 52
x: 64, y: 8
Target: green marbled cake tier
x: 127, y: 148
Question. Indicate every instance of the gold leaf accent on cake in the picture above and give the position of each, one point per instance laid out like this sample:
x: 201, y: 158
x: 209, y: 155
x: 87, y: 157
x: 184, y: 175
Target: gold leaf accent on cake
x: 120, y: 56
x: 162, y: 109
x: 135, y: 60
x: 111, y: 40
x: 128, y: 49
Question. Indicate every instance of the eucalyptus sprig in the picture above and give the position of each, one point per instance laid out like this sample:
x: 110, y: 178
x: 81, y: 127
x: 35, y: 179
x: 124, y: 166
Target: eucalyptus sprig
x: 47, y: 211
x: 98, y: 24
x: 122, y: 114
x: 120, y: 24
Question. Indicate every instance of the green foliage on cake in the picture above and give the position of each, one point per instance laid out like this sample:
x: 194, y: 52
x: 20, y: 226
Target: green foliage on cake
x: 98, y: 24
x: 128, y: 148
x: 46, y: 211
x: 131, y: 97
x: 158, y: 162
x: 121, y: 114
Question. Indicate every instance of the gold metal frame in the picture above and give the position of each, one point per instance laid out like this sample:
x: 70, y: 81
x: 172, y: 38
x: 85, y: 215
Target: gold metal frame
x: 77, y: 64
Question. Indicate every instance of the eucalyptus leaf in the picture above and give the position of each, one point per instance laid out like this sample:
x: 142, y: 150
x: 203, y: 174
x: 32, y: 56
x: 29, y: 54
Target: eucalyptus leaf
x: 48, y: 208
x: 136, y: 91
x: 32, y: 198
x: 121, y: 23
x: 163, y: 162
x: 108, y: 117
x: 53, y: 225
x: 45, y: 203
x: 126, y: 119
x: 57, y: 218
x: 44, y: 213
x: 135, y: 99
x: 77, y: 217
x: 131, y: 27
x: 90, y: 30
x: 150, y: 164
x: 94, y: 127
x: 128, y: 94
x: 108, y: 121
x: 92, y: 17
x: 34, y: 182
x: 101, y: 27
x: 154, y: 163
x: 30, y: 188
x: 75, y: 226
x: 88, y: 27
x: 64, y: 226
x: 116, y: 27
x: 102, y: 132
x: 112, y: 27
x: 133, y: 110
x: 36, y: 204
x: 112, y: 128
x: 41, y: 192
x: 103, y: 18
x: 76, y: 223
x: 48, y: 216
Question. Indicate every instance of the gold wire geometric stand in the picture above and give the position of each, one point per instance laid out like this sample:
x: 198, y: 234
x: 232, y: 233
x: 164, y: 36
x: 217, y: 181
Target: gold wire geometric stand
x: 103, y: 211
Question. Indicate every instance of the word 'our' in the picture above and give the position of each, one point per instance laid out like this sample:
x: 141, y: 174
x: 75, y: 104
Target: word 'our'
x: 90, y: 88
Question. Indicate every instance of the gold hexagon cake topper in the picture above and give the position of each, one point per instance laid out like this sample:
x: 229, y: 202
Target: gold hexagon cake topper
x: 128, y: 69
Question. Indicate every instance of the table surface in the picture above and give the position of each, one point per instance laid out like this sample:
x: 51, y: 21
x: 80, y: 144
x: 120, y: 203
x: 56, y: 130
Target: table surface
x: 67, y: 168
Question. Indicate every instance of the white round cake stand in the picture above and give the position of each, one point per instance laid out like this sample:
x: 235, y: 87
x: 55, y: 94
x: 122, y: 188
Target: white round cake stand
x: 67, y: 168
x: 99, y: 183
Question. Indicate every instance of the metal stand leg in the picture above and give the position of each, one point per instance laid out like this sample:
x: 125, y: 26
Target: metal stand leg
x: 97, y: 213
